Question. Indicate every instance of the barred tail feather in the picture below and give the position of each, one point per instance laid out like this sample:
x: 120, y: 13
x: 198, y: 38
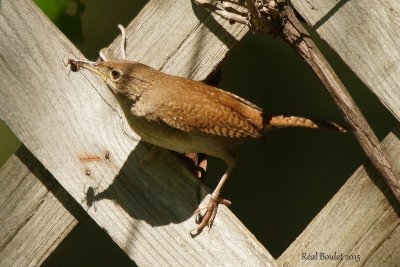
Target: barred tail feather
x: 292, y: 121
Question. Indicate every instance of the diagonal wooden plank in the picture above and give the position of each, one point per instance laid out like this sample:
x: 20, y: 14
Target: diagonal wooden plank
x: 366, y: 35
x: 75, y: 128
x: 36, y: 213
x: 360, y: 225
x: 181, y: 38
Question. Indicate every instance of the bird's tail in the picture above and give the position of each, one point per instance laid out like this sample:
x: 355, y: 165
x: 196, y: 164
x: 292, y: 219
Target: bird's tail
x: 292, y: 121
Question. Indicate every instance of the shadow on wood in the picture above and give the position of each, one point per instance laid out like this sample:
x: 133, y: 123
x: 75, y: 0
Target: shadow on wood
x: 163, y: 189
x: 328, y: 15
x: 51, y: 184
x: 212, y: 24
x: 380, y: 183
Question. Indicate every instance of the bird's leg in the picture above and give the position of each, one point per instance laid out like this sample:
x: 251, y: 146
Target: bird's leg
x: 200, y: 164
x: 215, y: 200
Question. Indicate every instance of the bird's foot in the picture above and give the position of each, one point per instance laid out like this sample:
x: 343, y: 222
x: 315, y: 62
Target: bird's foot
x: 207, y: 219
x: 200, y: 164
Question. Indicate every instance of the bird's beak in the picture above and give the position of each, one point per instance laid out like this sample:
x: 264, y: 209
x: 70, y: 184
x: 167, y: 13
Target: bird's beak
x: 76, y: 65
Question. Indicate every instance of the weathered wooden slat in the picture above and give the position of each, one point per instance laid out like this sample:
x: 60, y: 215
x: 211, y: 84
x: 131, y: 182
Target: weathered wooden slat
x: 73, y: 125
x: 36, y: 213
x: 191, y: 44
x: 366, y: 35
x: 362, y: 220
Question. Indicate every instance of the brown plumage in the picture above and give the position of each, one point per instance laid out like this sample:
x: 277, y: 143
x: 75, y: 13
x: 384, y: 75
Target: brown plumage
x: 188, y: 116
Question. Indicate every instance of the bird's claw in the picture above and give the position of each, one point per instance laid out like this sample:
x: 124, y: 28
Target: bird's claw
x: 207, y: 219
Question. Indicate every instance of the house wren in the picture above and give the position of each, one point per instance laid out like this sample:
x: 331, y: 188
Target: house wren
x: 183, y: 115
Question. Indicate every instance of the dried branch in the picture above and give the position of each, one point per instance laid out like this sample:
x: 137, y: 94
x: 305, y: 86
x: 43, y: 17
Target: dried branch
x: 256, y: 17
x: 298, y: 37
x: 279, y: 19
x: 226, y: 10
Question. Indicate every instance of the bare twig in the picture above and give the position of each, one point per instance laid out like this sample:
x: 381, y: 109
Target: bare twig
x: 225, y: 10
x: 298, y: 37
x: 257, y: 18
x: 276, y: 17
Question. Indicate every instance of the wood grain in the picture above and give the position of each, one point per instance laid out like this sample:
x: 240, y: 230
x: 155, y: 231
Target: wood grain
x: 36, y: 212
x: 366, y: 35
x: 190, y: 44
x: 298, y: 37
x: 361, y: 219
x: 62, y: 118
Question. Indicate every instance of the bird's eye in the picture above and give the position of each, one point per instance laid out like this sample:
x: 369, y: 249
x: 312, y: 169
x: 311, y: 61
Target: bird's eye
x: 115, y: 74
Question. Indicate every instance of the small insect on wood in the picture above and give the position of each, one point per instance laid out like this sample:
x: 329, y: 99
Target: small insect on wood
x: 74, y: 65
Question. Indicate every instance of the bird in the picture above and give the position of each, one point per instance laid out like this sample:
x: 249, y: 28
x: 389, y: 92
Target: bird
x: 188, y: 116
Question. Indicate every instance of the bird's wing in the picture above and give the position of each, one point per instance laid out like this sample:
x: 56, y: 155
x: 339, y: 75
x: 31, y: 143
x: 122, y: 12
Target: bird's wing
x: 213, y: 112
